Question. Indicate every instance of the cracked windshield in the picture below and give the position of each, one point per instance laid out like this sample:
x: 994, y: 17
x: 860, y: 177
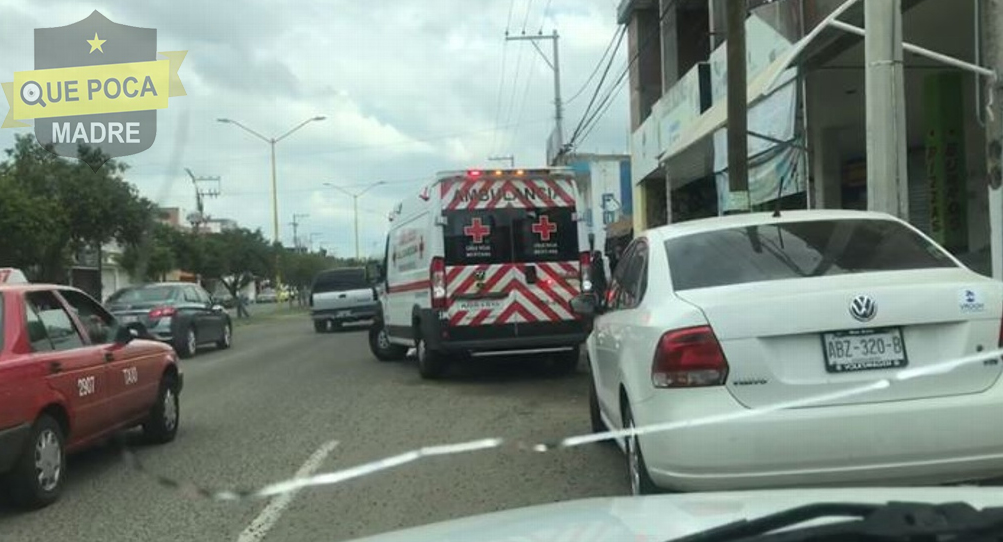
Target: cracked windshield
x: 501, y: 271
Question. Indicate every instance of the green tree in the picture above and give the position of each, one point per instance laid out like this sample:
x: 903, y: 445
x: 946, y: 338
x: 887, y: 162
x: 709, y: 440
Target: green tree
x: 69, y: 205
x: 233, y: 257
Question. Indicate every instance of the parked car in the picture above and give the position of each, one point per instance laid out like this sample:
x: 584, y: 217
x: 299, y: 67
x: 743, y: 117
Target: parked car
x: 341, y: 295
x: 792, y: 333
x: 181, y: 314
x: 267, y: 296
x: 72, y: 374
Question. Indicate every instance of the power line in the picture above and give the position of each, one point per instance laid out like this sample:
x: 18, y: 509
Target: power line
x: 543, y: 20
x: 501, y: 76
x: 245, y: 158
x: 525, y: 20
x: 609, y: 47
x: 595, y: 115
x: 602, y: 79
x: 522, y: 103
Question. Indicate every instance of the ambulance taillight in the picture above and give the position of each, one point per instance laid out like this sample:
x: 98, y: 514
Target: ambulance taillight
x: 438, y: 286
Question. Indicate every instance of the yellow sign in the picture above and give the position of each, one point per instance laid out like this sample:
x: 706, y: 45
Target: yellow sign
x: 91, y: 90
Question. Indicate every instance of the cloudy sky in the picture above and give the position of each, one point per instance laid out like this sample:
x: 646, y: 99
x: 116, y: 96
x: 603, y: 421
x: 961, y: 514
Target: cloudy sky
x: 409, y: 87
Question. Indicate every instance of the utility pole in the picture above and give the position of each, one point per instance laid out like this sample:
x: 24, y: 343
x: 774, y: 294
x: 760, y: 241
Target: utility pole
x: 296, y: 224
x: 992, y: 52
x: 738, y: 106
x: 200, y: 194
x: 884, y: 81
x: 509, y: 157
x: 555, y: 65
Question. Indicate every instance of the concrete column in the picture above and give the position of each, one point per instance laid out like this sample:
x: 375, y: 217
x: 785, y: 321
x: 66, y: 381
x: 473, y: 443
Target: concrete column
x: 668, y: 195
x: 887, y: 178
x: 992, y: 49
x: 640, y: 213
x: 826, y: 167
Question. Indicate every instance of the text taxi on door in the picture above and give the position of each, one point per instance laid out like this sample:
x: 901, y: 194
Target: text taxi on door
x: 69, y: 376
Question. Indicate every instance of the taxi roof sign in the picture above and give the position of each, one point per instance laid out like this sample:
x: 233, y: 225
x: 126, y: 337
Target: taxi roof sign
x: 11, y: 275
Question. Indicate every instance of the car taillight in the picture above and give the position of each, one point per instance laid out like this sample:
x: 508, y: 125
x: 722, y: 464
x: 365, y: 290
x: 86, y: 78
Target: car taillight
x: 689, y: 358
x: 162, y: 312
x: 585, y: 270
x: 438, y: 286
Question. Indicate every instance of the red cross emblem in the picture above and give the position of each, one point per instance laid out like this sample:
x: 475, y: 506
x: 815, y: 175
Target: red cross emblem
x: 476, y: 230
x: 544, y: 228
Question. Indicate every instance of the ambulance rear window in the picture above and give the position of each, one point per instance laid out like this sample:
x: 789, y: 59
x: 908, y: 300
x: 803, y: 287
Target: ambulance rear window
x: 493, y: 236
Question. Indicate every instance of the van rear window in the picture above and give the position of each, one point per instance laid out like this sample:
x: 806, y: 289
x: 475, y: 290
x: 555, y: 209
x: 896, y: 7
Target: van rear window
x: 492, y: 236
x: 339, y: 280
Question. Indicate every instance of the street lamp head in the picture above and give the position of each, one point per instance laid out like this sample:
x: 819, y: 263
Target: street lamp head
x: 224, y: 120
x: 319, y: 117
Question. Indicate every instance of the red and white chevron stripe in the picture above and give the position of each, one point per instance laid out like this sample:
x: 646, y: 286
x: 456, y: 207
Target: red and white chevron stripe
x: 547, y: 300
x: 480, y: 193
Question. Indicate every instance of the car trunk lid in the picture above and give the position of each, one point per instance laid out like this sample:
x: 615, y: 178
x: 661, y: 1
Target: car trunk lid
x: 791, y: 340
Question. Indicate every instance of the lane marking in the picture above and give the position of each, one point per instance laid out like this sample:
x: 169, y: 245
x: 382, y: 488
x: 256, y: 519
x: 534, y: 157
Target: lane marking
x: 263, y: 523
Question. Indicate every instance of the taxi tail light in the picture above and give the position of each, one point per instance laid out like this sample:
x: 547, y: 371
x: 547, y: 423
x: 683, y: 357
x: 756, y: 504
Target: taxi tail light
x: 438, y: 283
x: 162, y: 312
x: 689, y: 358
x: 585, y: 271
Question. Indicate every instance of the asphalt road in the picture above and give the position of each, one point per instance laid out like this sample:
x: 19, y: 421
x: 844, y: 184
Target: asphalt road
x: 276, y: 404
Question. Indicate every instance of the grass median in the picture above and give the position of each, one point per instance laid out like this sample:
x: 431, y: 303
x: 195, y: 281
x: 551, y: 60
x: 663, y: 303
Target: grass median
x: 259, y: 316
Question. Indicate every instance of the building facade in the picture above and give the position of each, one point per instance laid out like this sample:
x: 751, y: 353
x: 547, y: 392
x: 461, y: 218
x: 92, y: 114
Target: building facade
x: 806, y: 122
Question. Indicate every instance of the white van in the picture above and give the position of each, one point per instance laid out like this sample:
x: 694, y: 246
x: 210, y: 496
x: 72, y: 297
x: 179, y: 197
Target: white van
x: 484, y: 262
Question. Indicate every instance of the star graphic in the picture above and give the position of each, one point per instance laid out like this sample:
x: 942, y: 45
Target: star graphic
x: 96, y: 44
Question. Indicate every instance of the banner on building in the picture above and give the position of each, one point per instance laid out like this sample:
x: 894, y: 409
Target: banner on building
x: 945, y: 160
x: 776, y: 168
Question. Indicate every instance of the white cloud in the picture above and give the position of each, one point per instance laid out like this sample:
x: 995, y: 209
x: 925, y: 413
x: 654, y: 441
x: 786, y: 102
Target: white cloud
x: 408, y: 89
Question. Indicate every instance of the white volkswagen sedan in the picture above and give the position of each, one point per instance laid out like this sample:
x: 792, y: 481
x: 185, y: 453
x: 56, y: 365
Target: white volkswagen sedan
x: 809, y: 349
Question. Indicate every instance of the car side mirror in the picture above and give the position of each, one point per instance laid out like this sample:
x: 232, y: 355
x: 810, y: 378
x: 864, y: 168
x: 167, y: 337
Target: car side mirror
x: 218, y: 308
x: 125, y: 334
x: 374, y: 272
x: 586, y: 305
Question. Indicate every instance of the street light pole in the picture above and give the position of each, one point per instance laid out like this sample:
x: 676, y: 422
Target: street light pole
x: 272, y: 141
x: 355, y: 208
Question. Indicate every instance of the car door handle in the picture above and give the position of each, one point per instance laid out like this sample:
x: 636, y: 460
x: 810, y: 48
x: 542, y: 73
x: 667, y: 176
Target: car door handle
x: 108, y: 356
x: 55, y: 367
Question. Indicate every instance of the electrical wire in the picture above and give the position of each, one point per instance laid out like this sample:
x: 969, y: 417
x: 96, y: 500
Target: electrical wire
x: 593, y: 116
x: 595, y: 71
x: 592, y: 100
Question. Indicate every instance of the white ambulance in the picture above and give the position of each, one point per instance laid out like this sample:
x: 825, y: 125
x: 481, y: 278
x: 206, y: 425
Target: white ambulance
x: 484, y: 262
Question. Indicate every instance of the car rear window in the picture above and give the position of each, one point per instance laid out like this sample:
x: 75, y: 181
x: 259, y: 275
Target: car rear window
x: 340, y: 280
x: 798, y: 249
x: 144, y: 295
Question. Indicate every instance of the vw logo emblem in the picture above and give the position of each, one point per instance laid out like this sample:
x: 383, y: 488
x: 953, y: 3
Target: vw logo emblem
x: 863, y: 308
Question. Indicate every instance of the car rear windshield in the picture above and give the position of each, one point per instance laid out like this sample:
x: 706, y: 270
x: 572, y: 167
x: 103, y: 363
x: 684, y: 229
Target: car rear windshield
x: 492, y: 236
x: 340, y: 280
x: 798, y: 249
x: 145, y: 294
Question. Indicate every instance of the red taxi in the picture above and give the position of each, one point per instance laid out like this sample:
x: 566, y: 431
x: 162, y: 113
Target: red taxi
x: 70, y: 375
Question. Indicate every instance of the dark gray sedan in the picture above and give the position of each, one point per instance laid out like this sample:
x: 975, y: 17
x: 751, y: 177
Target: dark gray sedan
x: 181, y: 314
